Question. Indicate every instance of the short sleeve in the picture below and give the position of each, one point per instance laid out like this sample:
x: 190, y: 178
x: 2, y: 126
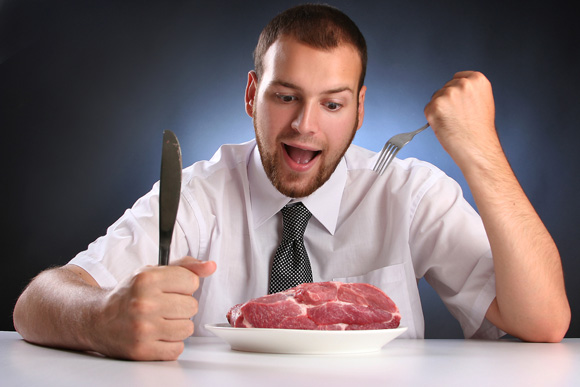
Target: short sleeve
x: 451, y: 251
x: 132, y: 242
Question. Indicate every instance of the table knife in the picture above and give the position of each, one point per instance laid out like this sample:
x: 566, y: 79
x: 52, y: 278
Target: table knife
x: 169, y: 192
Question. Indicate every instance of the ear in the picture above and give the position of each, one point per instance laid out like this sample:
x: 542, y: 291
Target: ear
x: 251, y: 89
x: 361, y: 106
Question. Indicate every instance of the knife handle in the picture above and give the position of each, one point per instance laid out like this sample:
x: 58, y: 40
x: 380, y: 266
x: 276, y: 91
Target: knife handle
x: 163, y: 255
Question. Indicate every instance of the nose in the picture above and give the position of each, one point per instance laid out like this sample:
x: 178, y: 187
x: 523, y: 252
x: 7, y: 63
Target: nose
x: 306, y: 120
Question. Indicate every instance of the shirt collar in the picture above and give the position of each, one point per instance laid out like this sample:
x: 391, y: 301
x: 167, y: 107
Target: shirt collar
x: 267, y: 201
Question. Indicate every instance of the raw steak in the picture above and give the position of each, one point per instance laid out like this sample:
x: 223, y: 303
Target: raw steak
x: 319, y: 306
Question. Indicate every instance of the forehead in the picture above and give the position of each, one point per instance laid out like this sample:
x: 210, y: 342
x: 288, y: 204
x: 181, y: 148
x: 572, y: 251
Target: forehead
x: 291, y: 61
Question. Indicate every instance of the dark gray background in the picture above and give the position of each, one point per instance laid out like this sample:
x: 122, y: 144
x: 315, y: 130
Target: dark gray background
x: 87, y: 87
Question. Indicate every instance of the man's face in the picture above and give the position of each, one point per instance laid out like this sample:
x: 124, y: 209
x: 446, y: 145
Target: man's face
x: 306, y: 111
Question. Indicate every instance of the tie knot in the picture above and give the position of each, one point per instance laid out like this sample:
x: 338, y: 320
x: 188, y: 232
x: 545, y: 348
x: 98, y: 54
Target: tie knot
x: 295, y: 218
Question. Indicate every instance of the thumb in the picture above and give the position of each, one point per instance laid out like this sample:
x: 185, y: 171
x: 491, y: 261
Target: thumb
x: 200, y: 268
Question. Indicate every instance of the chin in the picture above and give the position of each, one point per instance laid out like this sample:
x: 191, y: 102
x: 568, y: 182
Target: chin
x: 296, y: 186
x: 296, y: 192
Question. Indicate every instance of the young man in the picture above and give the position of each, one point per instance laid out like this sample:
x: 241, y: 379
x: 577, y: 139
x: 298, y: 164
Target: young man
x: 500, y: 272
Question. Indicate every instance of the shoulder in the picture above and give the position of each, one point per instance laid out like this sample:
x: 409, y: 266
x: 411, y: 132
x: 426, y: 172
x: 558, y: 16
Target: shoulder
x: 227, y: 159
x: 360, y: 162
x: 225, y: 172
x: 404, y: 185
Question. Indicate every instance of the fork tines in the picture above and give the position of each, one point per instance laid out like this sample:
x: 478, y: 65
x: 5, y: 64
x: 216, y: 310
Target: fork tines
x: 393, y: 146
x: 387, y: 155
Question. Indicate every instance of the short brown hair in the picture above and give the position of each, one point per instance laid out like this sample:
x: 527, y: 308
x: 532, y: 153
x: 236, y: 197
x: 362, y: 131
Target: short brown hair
x: 317, y: 25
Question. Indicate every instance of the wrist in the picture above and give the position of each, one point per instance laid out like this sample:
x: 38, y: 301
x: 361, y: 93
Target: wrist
x: 486, y: 164
x: 97, y: 322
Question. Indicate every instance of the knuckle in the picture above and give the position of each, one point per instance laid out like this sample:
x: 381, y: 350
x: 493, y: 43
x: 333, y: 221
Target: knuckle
x: 140, y: 307
x: 462, y: 83
x: 145, y: 279
x: 140, y: 329
x: 435, y: 106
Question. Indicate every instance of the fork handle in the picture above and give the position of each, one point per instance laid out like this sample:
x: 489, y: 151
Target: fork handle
x: 422, y: 128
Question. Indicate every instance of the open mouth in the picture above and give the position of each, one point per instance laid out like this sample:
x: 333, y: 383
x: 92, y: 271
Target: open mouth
x: 299, y: 155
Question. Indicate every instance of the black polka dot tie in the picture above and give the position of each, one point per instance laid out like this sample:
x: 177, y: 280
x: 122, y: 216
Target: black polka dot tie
x: 291, y: 266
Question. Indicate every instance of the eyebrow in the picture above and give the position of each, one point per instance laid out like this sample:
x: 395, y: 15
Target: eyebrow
x: 289, y: 85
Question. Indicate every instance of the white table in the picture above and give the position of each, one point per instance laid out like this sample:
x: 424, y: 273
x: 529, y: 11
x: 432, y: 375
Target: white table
x: 208, y: 361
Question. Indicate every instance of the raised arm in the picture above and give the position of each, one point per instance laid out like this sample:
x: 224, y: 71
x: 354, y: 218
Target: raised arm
x: 147, y: 317
x: 531, y: 301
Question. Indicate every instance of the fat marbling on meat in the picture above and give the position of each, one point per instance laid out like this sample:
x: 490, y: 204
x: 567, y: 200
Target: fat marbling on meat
x: 319, y: 306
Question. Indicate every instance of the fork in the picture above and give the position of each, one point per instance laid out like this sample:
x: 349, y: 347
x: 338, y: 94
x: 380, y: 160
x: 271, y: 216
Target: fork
x: 392, y: 147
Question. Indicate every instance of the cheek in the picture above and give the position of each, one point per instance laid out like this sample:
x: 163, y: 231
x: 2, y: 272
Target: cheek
x: 340, y: 132
x: 273, y: 120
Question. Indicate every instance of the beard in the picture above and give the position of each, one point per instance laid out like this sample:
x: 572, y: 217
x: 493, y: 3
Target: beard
x: 290, y: 183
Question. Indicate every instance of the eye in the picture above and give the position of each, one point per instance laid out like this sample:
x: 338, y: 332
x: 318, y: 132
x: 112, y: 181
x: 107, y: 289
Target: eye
x: 333, y: 106
x: 286, y: 98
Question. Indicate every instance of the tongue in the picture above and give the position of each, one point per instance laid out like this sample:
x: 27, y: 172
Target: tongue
x: 300, y: 156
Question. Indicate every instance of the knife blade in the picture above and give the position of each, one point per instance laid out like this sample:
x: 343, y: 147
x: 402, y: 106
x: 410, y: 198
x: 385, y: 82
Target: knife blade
x: 169, y: 192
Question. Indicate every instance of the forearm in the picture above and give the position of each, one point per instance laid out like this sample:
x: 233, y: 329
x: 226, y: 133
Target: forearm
x: 529, y: 276
x: 58, y: 309
x: 531, y: 301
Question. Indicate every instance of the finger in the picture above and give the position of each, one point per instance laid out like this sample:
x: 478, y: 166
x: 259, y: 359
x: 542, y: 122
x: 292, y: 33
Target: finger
x: 175, y: 330
x: 463, y: 74
x: 166, y: 344
x: 167, y: 279
x: 475, y: 77
x: 157, y: 350
x: 177, y: 306
x: 437, y: 93
x: 169, y: 351
x: 200, y: 268
x: 455, y: 82
x: 450, y: 88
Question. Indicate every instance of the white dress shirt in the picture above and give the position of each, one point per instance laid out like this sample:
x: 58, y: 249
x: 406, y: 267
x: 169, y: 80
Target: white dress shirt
x: 389, y: 231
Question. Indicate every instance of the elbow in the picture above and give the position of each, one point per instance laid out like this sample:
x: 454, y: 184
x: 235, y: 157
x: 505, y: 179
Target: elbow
x: 558, y: 329
x: 545, y: 322
x: 18, y: 315
x: 551, y: 331
x: 555, y: 335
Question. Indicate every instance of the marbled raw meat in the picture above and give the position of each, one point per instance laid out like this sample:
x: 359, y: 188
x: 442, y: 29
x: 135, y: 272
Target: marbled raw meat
x: 319, y: 306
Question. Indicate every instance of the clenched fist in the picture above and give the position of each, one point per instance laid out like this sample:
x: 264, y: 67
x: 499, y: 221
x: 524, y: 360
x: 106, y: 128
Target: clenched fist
x: 148, y: 316
x: 462, y: 115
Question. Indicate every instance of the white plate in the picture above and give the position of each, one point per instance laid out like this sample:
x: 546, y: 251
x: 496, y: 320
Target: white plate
x: 297, y: 341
